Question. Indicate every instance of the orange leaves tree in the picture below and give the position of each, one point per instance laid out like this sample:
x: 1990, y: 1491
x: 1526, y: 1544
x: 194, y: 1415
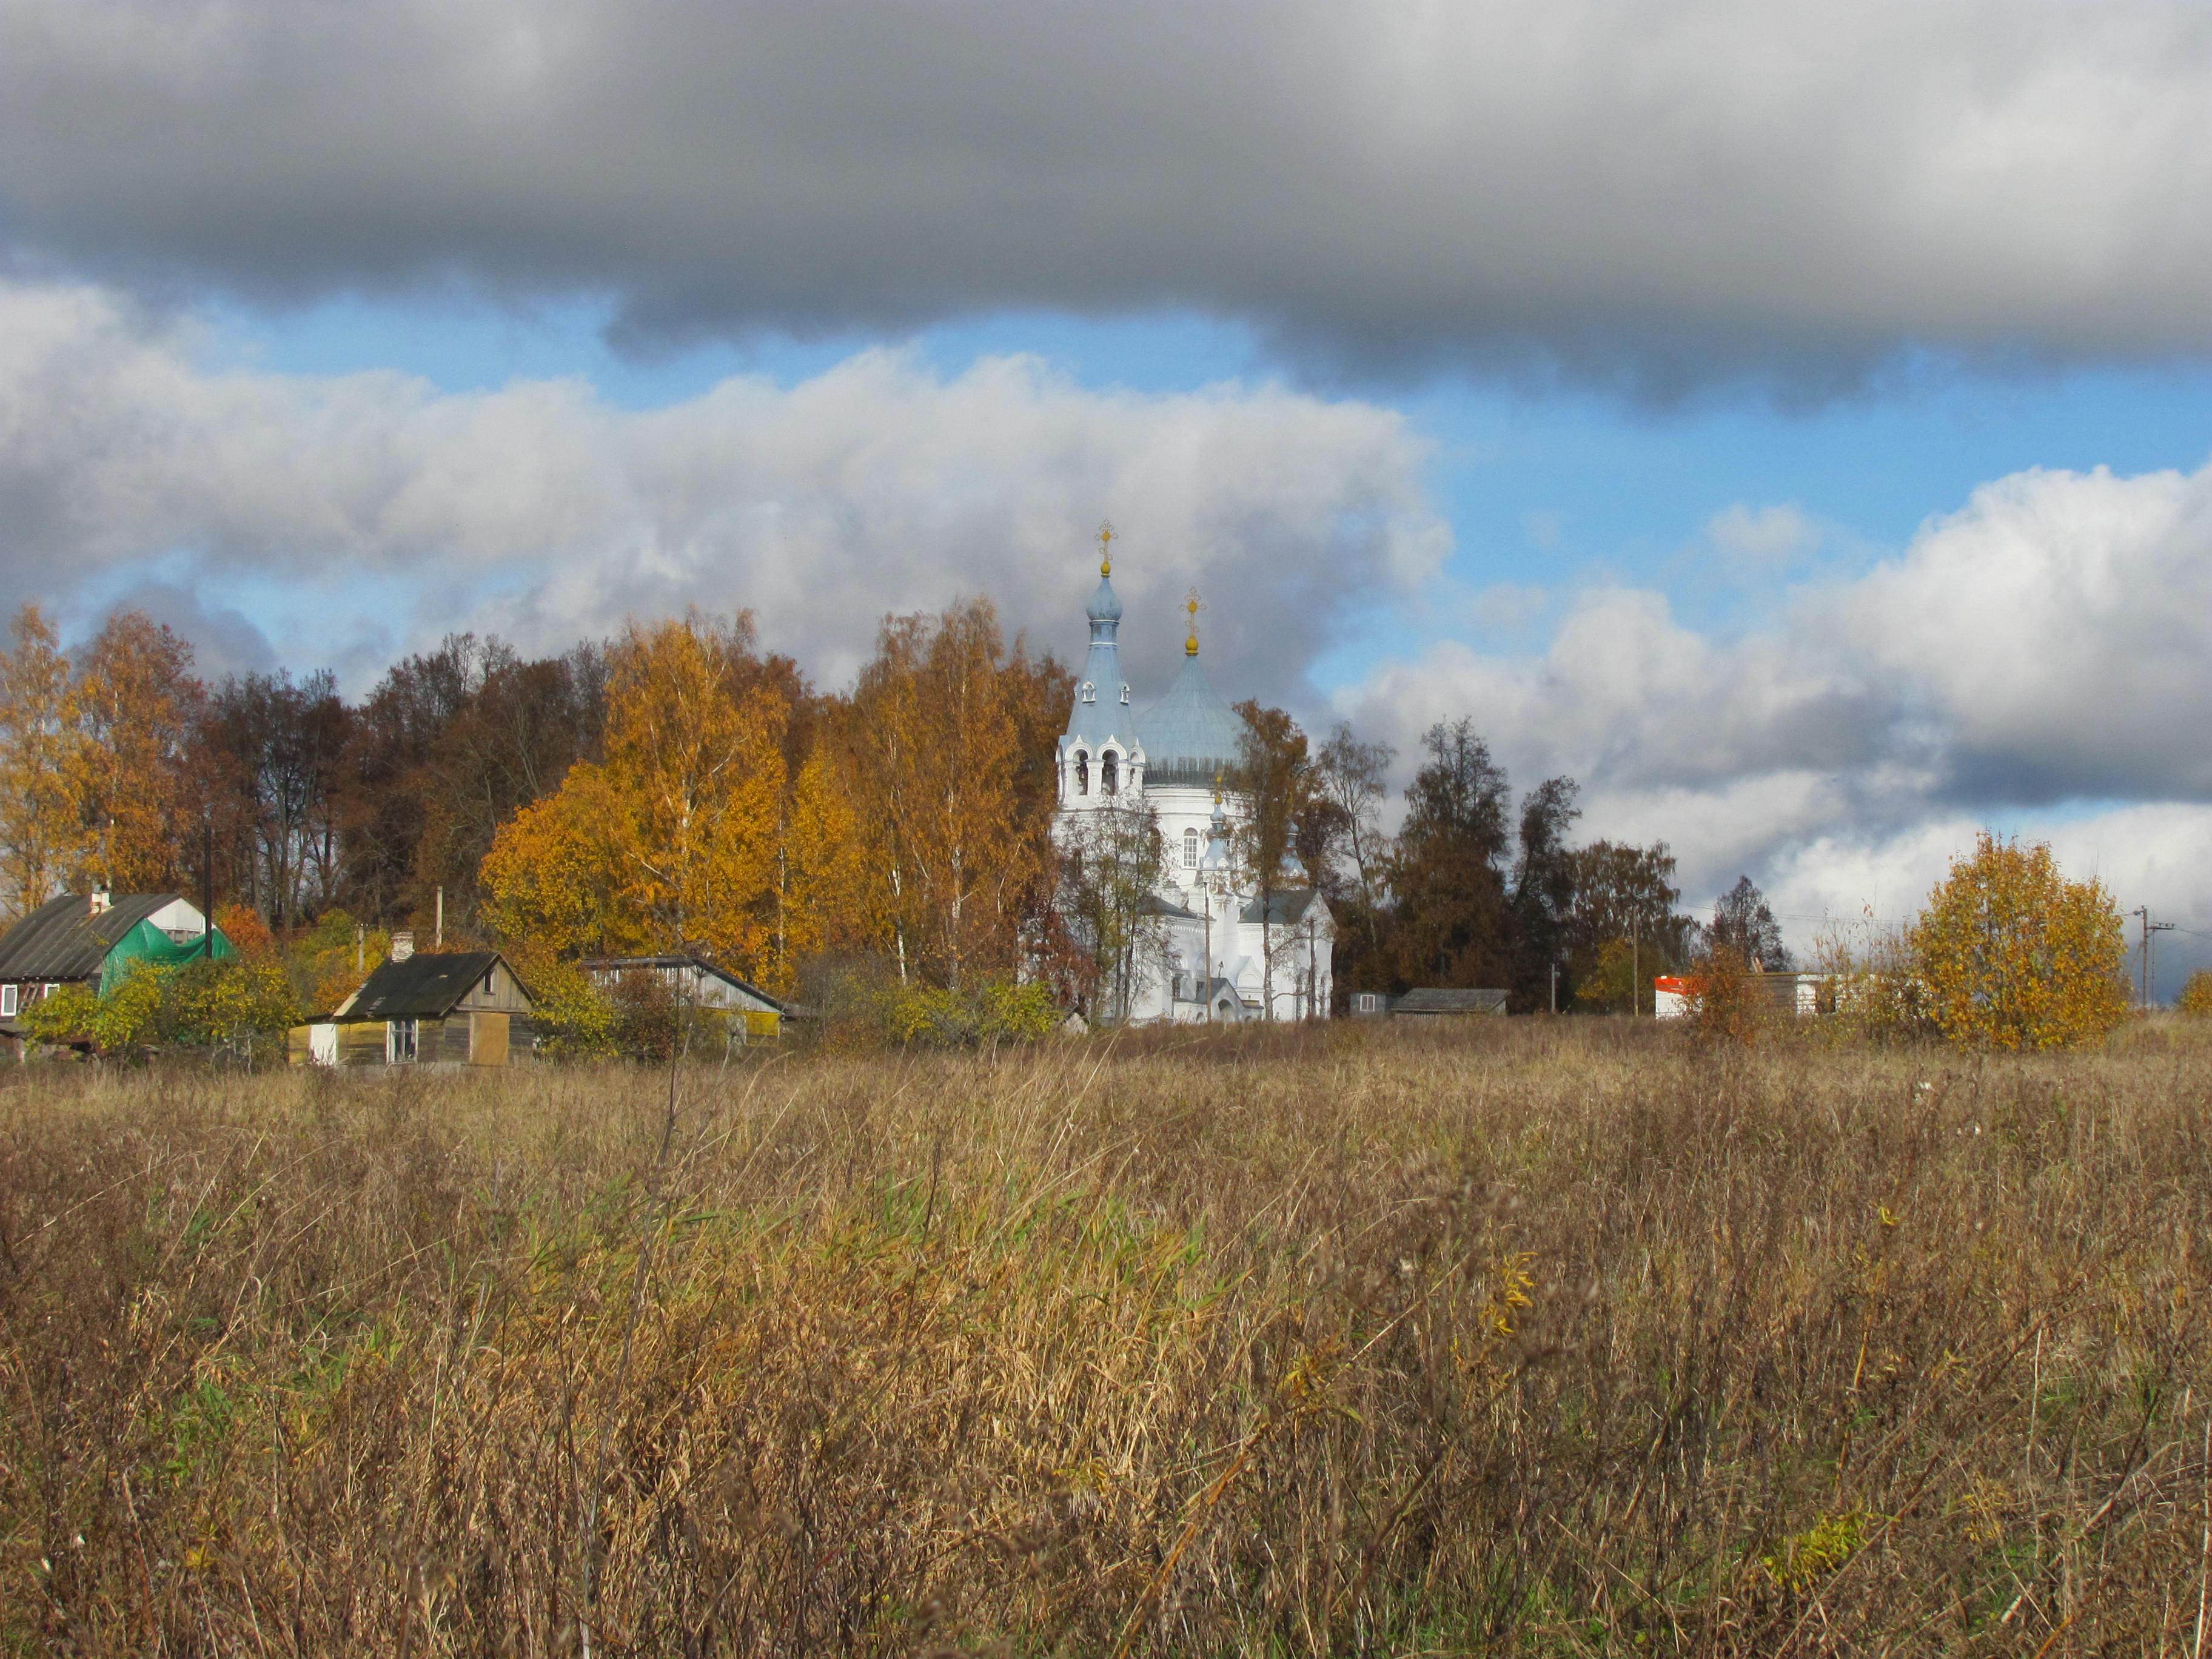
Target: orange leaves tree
x: 41, y: 830
x: 2010, y: 954
x: 672, y: 844
x: 137, y: 702
x: 93, y: 771
x: 949, y: 742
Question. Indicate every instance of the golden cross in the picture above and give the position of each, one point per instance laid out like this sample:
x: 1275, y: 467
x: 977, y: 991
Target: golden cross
x: 1106, y: 534
x: 1193, y: 605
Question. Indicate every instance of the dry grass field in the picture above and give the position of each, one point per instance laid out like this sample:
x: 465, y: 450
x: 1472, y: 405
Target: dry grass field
x: 1527, y: 1338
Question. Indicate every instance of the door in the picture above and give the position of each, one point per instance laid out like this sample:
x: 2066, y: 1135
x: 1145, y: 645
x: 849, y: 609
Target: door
x: 487, y: 1038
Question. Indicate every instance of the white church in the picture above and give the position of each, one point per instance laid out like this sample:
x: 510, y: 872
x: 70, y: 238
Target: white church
x: 1210, y: 954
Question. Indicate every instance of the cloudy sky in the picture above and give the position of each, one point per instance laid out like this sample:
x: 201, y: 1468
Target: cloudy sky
x: 1793, y: 422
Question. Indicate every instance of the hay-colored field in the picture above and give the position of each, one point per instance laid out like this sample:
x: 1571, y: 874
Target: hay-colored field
x: 1526, y: 1338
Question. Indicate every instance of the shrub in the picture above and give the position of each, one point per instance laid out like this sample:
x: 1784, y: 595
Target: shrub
x: 2195, y: 998
x: 242, y: 1004
x: 2010, y: 954
x: 1724, y: 1007
x: 995, y: 1011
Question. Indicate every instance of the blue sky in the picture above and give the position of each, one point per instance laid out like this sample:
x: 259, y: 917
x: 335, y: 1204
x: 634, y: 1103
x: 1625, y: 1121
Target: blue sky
x: 1790, y: 423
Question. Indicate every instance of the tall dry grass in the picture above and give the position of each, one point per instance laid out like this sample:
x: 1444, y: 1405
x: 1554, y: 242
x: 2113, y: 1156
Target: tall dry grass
x: 1526, y: 1337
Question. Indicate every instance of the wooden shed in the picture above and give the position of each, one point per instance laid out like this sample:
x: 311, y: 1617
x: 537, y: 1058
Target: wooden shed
x: 441, y: 1008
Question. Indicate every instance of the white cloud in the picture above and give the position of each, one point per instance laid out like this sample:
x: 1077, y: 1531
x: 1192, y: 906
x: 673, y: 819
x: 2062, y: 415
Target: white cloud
x: 2047, y: 646
x: 1667, y: 189
x: 378, y: 512
x: 1764, y: 536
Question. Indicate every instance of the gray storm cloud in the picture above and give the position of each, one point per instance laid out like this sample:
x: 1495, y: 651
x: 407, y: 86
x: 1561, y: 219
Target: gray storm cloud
x: 1661, y: 192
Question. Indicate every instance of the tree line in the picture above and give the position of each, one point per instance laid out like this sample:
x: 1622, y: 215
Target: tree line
x: 678, y: 789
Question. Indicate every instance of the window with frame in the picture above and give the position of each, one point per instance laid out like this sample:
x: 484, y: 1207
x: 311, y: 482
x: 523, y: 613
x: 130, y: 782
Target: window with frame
x: 1082, y: 772
x: 399, y: 1041
x: 9, y: 1000
x: 1108, y: 776
x: 1190, y: 849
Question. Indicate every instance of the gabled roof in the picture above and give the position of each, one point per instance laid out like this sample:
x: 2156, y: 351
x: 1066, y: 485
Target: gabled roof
x: 1430, y: 1001
x: 1285, y: 910
x: 427, y: 986
x: 63, y: 940
x: 1156, y: 905
x: 624, y: 965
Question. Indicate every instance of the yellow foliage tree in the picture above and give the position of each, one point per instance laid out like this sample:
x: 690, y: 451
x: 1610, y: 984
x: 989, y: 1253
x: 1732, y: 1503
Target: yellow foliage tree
x: 2195, y: 998
x: 41, y: 828
x: 2010, y: 954
x: 950, y: 743
x: 136, y: 701
x: 676, y: 841
x: 555, y: 879
x: 698, y: 763
x: 821, y: 878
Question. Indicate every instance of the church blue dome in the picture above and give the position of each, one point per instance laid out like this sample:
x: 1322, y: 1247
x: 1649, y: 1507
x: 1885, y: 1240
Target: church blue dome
x: 1190, y: 734
x: 1105, y: 605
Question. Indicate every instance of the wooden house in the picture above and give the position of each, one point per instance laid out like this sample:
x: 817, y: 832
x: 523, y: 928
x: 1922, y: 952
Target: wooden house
x: 699, y: 984
x: 92, y: 939
x: 438, y: 1008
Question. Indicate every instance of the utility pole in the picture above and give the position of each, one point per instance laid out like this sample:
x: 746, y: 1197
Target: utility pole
x: 2149, y: 927
x: 1555, y: 987
x: 1634, y: 965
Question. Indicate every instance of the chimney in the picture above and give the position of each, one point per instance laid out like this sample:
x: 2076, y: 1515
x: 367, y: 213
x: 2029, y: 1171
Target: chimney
x: 403, y: 946
x: 99, y: 902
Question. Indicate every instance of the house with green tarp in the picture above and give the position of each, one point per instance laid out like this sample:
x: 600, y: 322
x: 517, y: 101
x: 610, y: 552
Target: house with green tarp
x: 96, y: 938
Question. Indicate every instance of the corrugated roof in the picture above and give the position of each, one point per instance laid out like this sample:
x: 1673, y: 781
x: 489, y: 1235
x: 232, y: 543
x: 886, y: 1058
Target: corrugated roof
x: 1190, y: 734
x: 63, y: 940
x: 426, y: 986
x: 1430, y: 1000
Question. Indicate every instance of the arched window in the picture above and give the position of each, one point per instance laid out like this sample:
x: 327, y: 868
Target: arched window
x: 1090, y: 692
x: 1082, y: 772
x: 1108, y: 776
x: 1190, y: 849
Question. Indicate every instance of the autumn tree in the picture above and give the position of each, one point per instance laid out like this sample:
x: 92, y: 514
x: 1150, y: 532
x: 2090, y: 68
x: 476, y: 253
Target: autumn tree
x: 822, y: 877
x: 1544, y: 871
x: 137, y: 704
x: 1112, y: 858
x: 1273, y: 778
x: 948, y: 738
x: 2010, y: 954
x: 269, y: 761
x: 41, y: 830
x: 1743, y: 921
x: 697, y: 757
x: 1453, y: 923
x: 1622, y: 928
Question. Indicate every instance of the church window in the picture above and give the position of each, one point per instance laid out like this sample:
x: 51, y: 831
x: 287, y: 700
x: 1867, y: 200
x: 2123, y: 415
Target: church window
x: 1109, y: 779
x: 1090, y: 692
x: 1125, y: 693
x: 1190, y: 849
x: 1082, y: 772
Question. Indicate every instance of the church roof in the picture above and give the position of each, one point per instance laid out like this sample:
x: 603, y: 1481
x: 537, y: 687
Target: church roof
x: 1189, y: 734
x: 1101, y: 706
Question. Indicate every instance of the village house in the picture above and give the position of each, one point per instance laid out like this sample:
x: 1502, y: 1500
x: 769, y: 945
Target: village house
x: 438, y: 1008
x: 695, y: 983
x: 93, y: 939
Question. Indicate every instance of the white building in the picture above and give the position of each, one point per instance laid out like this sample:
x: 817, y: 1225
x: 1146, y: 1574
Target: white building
x: 1205, y: 953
